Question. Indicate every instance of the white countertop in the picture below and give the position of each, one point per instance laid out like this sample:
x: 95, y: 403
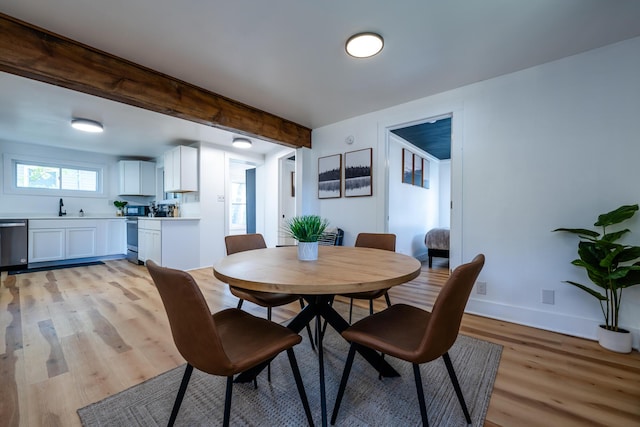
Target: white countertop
x: 169, y: 218
x: 95, y: 216
x: 49, y: 216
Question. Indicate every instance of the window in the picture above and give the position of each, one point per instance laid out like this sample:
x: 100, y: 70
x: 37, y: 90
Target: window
x: 37, y: 176
x: 55, y: 178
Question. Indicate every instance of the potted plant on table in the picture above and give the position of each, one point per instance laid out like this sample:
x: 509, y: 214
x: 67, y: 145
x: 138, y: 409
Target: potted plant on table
x: 119, y: 204
x: 306, y: 229
x: 612, y: 267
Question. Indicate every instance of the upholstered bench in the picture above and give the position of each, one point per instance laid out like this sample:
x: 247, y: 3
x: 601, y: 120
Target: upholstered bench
x: 437, y: 242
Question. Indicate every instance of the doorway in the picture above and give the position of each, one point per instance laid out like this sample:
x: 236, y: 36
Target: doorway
x: 415, y: 208
x: 242, y: 198
x: 287, y: 195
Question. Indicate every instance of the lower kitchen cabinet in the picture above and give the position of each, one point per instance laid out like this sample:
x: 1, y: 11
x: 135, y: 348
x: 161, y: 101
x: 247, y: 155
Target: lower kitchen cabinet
x: 63, y: 239
x: 115, y: 239
x: 80, y: 242
x: 150, y: 241
x: 46, y: 244
x: 171, y: 242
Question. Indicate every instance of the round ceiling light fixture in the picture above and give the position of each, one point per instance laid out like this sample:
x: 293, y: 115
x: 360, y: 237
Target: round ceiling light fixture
x: 243, y: 143
x: 87, y: 125
x: 364, y: 45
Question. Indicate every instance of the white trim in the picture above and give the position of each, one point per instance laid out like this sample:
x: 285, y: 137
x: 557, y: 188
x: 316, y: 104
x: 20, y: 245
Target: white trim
x: 556, y: 322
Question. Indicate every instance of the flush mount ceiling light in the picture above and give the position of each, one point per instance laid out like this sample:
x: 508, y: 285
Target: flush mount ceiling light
x: 241, y: 143
x: 364, y: 45
x: 87, y: 125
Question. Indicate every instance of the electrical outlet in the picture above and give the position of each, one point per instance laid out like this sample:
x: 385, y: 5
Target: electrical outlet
x: 481, y: 288
x: 220, y: 198
x: 548, y: 296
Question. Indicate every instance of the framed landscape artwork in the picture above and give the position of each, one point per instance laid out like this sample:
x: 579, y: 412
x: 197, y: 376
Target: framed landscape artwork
x: 417, y: 170
x: 330, y: 177
x: 407, y: 166
x: 358, y: 179
x: 425, y: 173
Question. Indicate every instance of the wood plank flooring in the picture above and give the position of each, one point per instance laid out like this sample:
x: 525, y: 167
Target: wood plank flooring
x: 73, y: 336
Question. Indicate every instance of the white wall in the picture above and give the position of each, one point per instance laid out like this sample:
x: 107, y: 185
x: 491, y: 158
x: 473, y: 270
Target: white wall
x: 211, y: 204
x: 550, y: 146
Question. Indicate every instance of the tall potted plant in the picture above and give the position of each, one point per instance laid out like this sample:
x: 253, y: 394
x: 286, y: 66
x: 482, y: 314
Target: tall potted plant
x: 612, y: 267
x: 306, y: 229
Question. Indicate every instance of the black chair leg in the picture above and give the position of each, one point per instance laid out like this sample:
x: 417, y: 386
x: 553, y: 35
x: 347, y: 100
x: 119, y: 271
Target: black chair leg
x: 350, y: 309
x: 423, y: 406
x: 456, y: 386
x: 240, y: 304
x: 370, y: 307
x: 343, y: 382
x: 183, y: 388
x: 227, y: 402
x: 298, y: 378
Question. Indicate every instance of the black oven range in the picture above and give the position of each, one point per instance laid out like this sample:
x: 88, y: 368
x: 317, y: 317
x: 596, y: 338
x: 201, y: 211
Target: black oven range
x: 132, y: 213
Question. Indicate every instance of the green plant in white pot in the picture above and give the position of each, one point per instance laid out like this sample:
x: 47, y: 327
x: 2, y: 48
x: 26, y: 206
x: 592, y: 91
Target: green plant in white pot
x: 120, y: 204
x: 307, y: 230
x: 612, y: 267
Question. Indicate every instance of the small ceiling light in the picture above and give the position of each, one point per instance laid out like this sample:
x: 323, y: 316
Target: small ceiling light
x: 241, y: 143
x: 87, y: 125
x: 364, y: 45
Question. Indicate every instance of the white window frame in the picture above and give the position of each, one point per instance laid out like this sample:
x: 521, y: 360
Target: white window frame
x: 10, y: 176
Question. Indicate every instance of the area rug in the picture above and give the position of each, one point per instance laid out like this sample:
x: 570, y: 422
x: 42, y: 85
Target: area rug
x: 368, y: 401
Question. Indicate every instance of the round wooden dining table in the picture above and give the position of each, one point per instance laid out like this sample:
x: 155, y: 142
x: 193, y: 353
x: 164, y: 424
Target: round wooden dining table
x: 338, y: 270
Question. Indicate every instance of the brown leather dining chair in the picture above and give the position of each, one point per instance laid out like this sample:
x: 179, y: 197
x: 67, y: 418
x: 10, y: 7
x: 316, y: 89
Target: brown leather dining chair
x: 247, y: 242
x: 383, y: 241
x: 416, y: 335
x: 225, y: 343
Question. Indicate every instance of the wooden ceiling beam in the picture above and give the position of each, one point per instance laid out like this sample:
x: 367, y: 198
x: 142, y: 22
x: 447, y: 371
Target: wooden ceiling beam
x: 35, y: 53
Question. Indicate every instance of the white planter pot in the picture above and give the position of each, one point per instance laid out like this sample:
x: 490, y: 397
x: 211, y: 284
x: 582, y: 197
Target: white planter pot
x: 307, y: 251
x: 620, y: 341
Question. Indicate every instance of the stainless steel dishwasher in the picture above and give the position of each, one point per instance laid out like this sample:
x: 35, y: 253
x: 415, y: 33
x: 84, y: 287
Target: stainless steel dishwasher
x: 14, y: 243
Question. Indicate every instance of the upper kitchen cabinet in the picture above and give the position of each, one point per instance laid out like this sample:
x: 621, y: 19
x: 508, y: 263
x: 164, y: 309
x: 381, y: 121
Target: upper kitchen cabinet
x: 137, y: 178
x: 181, y: 170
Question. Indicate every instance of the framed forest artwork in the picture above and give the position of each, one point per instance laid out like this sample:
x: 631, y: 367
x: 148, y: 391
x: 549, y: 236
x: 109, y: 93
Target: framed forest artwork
x: 358, y: 177
x: 330, y: 177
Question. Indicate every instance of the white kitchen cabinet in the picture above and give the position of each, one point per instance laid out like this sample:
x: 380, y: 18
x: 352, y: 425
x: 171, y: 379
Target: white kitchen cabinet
x: 181, y: 170
x: 80, y: 242
x: 62, y: 239
x: 116, y: 237
x: 173, y: 243
x: 46, y: 244
x: 150, y: 240
x: 137, y: 178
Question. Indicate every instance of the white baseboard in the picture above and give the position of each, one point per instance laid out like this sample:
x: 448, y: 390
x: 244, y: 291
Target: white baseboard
x: 549, y: 321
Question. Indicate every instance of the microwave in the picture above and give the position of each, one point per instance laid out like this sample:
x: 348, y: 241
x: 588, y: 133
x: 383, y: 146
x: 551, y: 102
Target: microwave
x: 136, y: 210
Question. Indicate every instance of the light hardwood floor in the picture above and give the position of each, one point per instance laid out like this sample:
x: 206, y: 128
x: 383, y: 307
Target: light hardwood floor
x: 73, y: 336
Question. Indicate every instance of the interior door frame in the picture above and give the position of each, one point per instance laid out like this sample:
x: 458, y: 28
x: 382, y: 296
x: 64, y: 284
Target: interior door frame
x: 456, y: 208
x: 286, y: 187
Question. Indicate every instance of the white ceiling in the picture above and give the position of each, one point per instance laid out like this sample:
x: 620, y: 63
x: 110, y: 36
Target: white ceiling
x: 287, y: 56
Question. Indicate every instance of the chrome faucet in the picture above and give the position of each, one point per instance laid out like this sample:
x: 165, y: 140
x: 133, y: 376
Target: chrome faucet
x: 60, y: 212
